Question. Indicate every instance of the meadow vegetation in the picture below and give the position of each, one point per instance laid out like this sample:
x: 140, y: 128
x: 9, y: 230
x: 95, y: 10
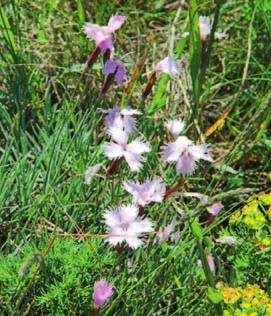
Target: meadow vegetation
x: 199, y: 240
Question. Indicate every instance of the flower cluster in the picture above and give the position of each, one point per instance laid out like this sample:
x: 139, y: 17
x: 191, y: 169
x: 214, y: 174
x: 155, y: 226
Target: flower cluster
x: 119, y: 126
x: 127, y: 223
x: 253, y: 213
x: 251, y: 300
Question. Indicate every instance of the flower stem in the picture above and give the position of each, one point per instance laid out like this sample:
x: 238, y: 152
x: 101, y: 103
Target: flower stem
x: 108, y: 82
x: 93, y: 57
x: 173, y: 188
x: 106, y: 55
x: 198, y: 234
x: 113, y: 167
x: 149, y: 85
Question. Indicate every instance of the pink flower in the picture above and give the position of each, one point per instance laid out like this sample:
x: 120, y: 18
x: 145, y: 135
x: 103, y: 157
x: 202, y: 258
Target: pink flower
x: 175, y: 127
x: 119, y: 147
x: 205, y: 29
x: 211, y: 262
x: 123, y: 118
x: 102, y: 35
x: 152, y: 190
x: 116, y: 68
x: 186, y: 154
x: 101, y: 292
x: 124, y: 225
x: 169, y: 66
x: 230, y: 240
x: 168, y: 232
x: 215, y: 208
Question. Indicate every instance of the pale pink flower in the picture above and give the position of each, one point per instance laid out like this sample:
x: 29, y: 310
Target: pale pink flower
x: 119, y: 147
x: 186, y: 154
x: 169, y: 66
x: 123, y: 118
x: 102, y: 35
x: 125, y: 225
x: 152, y: 190
x: 168, y: 232
x: 230, y: 240
x: 117, y: 68
x: 215, y: 208
x: 205, y: 29
x: 211, y: 262
x: 175, y: 127
x: 101, y: 292
x: 91, y: 172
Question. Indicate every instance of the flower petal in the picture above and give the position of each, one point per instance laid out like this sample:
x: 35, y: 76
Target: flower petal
x: 113, y: 150
x: 115, y: 22
x: 138, y: 146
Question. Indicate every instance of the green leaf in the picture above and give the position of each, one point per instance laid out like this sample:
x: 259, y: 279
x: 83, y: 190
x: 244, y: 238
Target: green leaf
x: 159, y: 98
x: 214, y: 296
x: 7, y: 31
x: 81, y: 11
x: 196, y: 229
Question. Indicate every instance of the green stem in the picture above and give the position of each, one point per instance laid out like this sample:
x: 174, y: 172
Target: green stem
x: 207, y: 54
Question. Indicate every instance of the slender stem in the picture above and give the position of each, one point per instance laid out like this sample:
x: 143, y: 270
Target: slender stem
x: 205, y: 265
x: 44, y: 254
x: 149, y: 85
x: 173, y: 188
x: 109, y: 80
x: 82, y: 235
x: 208, y: 51
x: 106, y: 55
x: 113, y: 167
x: 93, y: 56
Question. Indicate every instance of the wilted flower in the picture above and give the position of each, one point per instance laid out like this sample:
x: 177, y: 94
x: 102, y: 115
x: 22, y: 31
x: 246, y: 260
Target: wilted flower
x: 205, y: 29
x: 215, y: 208
x: 152, y: 190
x: 230, y: 240
x: 119, y: 147
x: 91, y: 172
x: 115, y: 68
x: 101, y: 292
x: 168, y: 232
x: 169, y: 66
x: 102, y: 35
x: 186, y: 154
x: 123, y: 118
x: 175, y: 127
x: 126, y: 226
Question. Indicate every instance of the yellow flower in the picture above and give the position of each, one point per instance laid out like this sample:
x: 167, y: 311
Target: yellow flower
x: 236, y: 217
x: 265, y: 198
x: 248, y: 291
x: 230, y: 295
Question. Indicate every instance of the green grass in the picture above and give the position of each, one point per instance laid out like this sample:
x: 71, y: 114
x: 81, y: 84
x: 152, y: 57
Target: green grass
x: 50, y: 134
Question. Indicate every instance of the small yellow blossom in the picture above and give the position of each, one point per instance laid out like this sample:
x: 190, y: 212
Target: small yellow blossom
x: 265, y: 198
x: 230, y: 295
